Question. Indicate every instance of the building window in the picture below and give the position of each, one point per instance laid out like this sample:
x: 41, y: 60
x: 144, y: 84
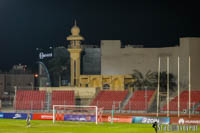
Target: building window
x: 106, y: 86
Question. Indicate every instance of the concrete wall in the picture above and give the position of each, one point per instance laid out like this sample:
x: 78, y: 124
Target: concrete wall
x: 80, y: 92
x: 91, y: 61
x: 195, y: 62
x: 117, y: 60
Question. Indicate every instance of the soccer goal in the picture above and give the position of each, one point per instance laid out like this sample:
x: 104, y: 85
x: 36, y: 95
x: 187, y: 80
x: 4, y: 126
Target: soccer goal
x: 75, y: 113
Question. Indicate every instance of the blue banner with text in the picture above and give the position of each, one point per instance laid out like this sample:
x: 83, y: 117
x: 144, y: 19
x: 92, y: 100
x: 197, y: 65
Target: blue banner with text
x: 1, y: 115
x: 15, y: 115
x: 80, y: 118
x: 160, y: 120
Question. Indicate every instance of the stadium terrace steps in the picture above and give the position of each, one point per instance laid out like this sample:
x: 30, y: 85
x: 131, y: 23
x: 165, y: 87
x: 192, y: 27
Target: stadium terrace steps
x: 153, y: 104
x: 63, y: 98
x: 137, y: 101
x: 30, y: 100
x: 126, y: 100
x: 184, y: 99
x: 108, y: 99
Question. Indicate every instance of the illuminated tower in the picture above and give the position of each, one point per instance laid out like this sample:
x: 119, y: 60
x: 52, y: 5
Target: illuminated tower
x: 75, y: 52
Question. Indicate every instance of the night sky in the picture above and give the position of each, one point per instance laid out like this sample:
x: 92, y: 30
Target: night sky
x: 28, y: 24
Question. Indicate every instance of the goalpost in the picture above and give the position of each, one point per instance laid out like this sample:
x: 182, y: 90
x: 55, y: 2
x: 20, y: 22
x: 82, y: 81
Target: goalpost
x: 75, y: 113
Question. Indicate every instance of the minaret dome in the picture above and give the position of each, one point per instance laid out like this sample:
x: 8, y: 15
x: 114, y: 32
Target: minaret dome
x: 75, y: 30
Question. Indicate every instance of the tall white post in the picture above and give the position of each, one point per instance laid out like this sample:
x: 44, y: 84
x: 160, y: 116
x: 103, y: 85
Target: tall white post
x: 158, y: 90
x: 178, y: 86
x: 168, y: 86
x: 15, y: 87
x: 96, y: 115
x: 189, y: 86
x: 54, y: 111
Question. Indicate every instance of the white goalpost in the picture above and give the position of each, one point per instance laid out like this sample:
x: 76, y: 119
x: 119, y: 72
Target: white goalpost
x: 75, y: 113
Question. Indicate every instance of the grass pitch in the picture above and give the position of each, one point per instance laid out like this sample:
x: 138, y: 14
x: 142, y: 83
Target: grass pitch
x: 42, y: 126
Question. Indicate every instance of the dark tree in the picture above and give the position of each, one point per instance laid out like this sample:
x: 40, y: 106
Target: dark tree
x: 163, y: 81
x: 142, y: 81
x: 150, y: 80
x: 58, y: 65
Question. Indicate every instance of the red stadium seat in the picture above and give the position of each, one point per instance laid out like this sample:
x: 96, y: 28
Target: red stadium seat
x: 63, y: 98
x: 184, y: 100
x: 107, y: 99
x: 30, y: 100
x: 137, y: 101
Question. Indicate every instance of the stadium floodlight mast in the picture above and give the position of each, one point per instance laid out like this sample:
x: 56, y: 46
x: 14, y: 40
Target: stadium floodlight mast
x: 95, y: 108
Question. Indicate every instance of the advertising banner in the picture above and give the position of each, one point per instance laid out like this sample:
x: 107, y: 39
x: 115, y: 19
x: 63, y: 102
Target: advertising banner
x: 59, y: 117
x: 42, y: 116
x: 185, y: 121
x: 117, y: 119
x: 1, y: 115
x: 70, y: 117
x: 160, y: 120
x: 15, y: 115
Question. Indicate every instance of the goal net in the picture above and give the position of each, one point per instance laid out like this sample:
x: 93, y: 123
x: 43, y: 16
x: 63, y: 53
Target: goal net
x: 75, y: 113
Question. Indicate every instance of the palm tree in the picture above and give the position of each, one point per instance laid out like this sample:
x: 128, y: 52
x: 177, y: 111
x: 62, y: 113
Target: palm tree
x: 150, y: 80
x: 163, y: 81
x: 142, y: 81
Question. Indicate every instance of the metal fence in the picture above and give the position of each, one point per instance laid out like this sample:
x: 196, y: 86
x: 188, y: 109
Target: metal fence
x: 139, y: 107
x: 145, y: 106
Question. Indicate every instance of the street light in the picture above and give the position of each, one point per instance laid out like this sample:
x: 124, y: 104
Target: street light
x: 36, y: 80
x: 36, y: 75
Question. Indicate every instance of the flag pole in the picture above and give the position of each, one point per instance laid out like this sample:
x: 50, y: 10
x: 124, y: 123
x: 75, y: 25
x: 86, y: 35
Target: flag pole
x: 189, y: 85
x: 158, y: 85
x: 168, y: 86
x: 178, y: 86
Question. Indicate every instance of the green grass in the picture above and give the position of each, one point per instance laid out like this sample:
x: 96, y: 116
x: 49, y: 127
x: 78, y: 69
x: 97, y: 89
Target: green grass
x: 37, y: 126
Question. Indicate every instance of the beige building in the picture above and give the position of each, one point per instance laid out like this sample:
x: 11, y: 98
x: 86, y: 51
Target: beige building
x: 110, y: 82
x: 117, y: 64
x: 117, y: 60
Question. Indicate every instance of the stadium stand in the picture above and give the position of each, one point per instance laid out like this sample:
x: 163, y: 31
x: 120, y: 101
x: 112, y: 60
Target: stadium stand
x: 198, y: 108
x: 30, y: 100
x: 108, y: 99
x: 137, y: 101
x: 184, y: 99
x: 63, y: 98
